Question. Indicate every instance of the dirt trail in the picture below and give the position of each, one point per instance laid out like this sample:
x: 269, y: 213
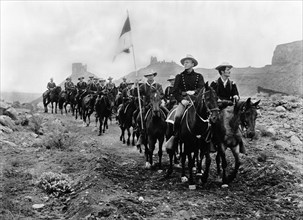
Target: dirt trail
x: 109, y: 181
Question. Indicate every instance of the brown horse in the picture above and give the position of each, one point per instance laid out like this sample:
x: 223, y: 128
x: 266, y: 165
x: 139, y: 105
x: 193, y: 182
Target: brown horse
x: 227, y: 133
x: 52, y: 97
x: 87, y: 107
x: 155, y: 128
x: 195, y: 131
x: 103, y: 111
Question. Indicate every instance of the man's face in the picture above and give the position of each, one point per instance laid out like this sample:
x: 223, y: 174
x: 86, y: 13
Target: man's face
x: 102, y: 83
x: 150, y: 78
x: 51, y: 80
x: 188, y: 64
x: 124, y: 79
x: 227, y: 72
x: 172, y: 82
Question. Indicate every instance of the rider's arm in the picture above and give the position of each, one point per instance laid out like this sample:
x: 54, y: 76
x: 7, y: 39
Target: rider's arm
x: 177, y: 91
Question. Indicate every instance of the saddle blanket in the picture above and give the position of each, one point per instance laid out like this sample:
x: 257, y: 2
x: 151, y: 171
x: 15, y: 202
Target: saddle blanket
x: 171, y: 116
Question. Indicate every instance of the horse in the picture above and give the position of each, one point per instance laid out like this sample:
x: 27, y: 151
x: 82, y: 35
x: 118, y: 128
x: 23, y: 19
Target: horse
x: 227, y: 134
x: 125, y: 115
x: 155, y: 128
x: 87, y: 107
x: 78, y: 102
x: 112, y: 94
x: 102, y: 111
x: 71, y: 100
x: 51, y: 97
x: 195, y: 132
x: 62, y: 101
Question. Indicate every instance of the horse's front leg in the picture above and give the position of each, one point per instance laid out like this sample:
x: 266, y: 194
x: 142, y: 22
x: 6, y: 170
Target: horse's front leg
x: 65, y: 104
x: 235, y: 151
x: 207, y: 165
x: 183, y: 160
x: 105, y: 124
x: 191, y: 161
x: 100, y: 125
x: 129, y: 135
x: 160, y: 152
x: 221, y: 151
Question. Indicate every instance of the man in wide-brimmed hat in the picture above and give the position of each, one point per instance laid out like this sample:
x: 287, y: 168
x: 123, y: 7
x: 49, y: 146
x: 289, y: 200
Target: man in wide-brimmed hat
x: 188, y: 83
x: 225, y: 88
x: 145, y: 92
x: 50, y: 86
x: 68, y: 85
x: 110, y: 85
x: 169, y: 97
x: 81, y: 87
x: 123, y: 84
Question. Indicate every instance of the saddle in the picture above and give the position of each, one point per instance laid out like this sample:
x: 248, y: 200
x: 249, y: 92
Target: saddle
x: 171, y: 115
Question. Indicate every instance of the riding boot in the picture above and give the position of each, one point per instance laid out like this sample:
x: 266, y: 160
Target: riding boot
x: 173, y: 140
x: 212, y: 147
x: 242, y: 148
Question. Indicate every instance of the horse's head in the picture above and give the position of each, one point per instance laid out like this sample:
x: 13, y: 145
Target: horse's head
x: 209, y: 99
x: 155, y: 101
x: 55, y: 92
x: 248, y: 115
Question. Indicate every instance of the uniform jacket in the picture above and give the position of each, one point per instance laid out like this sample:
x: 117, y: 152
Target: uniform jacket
x: 68, y: 85
x: 169, y: 94
x: 227, y: 92
x: 81, y: 85
x: 127, y: 92
x: 110, y: 86
x: 92, y: 87
x: 122, y: 86
x: 51, y: 85
x: 186, y: 82
x: 102, y: 90
x: 146, y: 88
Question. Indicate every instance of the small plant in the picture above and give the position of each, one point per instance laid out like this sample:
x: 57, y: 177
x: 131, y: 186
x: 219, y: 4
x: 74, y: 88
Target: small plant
x: 56, y: 184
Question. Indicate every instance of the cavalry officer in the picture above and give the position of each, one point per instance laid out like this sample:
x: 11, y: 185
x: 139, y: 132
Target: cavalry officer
x: 226, y: 89
x: 50, y: 86
x: 101, y: 88
x: 81, y: 86
x: 187, y: 83
x: 169, y: 97
x: 123, y: 84
x: 68, y: 85
x: 145, y: 90
x: 126, y: 95
x: 110, y: 85
x: 92, y: 87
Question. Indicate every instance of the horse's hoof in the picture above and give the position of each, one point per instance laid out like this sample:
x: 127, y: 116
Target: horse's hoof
x: 123, y: 141
x: 194, y: 169
x: 99, y: 134
x: 147, y: 165
x: 184, y: 179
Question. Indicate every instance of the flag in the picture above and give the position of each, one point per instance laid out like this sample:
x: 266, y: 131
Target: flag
x: 124, y: 39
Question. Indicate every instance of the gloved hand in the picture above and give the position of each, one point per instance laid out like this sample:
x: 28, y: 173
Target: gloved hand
x: 191, y: 92
x: 236, y: 98
x: 184, y: 102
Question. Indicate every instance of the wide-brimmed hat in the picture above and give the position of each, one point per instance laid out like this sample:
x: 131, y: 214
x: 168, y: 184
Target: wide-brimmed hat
x: 91, y: 77
x: 150, y: 73
x: 189, y: 57
x: 124, y: 77
x: 130, y: 82
x: 102, y: 80
x: 110, y: 78
x: 224, y: 64
x: 171, y: 77
x: 82, y: 77
x: 68, y: 78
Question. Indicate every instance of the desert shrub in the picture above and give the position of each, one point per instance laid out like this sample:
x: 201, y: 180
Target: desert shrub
x: 57, y: 184
x: 36, y: 123
x: 59, y: 140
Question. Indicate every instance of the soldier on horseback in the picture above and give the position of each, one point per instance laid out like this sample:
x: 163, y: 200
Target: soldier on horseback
x: 123, y: 84
x: 188, y: 83
x: 226, y: 89
x: 92, y: 87
x: 169, y: 97
x: 145, y: 90
x: 81, y: 86
x: 69, y: 85
x: 50, y: 86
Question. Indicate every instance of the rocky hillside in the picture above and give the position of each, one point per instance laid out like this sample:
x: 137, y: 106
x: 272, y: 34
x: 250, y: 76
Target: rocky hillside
x: 286, y: 73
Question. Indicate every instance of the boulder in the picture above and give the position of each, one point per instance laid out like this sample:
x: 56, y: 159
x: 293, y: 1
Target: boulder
x: 295, y: 140
x: 5, y: 129
x: 280, y: 109
x: 12, y: 113
x: 279, y: 144
x: 3, y: 107
x: 7, y: 122
x: 270, y: 132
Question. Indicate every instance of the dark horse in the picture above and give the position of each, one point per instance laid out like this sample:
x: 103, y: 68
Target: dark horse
x: 125, y: 115
x: 87, y: 107
x: 155, y: 128
x: 195, y: 132
x: 67, y: 97
x: 51, y: 97
x: 227, y: 133
x: 103, y: 111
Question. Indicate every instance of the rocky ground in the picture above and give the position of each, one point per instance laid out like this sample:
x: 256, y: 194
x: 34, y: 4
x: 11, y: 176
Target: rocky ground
x: 54, y: 168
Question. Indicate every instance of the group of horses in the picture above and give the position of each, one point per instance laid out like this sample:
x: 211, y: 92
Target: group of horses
x: 82, y: 105
x: 202, y: 125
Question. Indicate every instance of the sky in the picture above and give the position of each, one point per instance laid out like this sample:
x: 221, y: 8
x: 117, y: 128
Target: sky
x: 41, y: 39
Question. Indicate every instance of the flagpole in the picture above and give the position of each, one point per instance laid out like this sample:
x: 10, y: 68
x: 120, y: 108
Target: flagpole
x: 138, y: 88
